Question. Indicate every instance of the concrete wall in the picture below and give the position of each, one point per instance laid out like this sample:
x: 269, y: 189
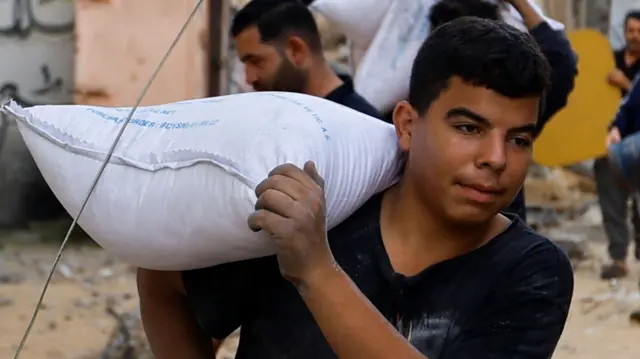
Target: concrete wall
x: 107, y: 60
x: 121, y: 42
x: 36, y: 67
x: 598, y: 15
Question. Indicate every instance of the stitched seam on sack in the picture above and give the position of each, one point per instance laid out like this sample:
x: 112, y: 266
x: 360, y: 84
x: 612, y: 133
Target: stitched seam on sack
x: 214, y: 159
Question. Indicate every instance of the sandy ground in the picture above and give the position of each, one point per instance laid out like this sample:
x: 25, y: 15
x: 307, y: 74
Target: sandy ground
x: 74, y: 323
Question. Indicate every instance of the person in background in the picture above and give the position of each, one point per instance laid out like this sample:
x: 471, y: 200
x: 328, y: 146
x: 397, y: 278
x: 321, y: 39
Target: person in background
x: 554, y: 45
x: 429, y: 268
x: 614, y: 196
x: 279, y: 43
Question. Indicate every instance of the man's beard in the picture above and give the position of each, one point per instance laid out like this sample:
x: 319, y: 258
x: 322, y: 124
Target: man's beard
x: 288, y: 78
x: 633, y: 46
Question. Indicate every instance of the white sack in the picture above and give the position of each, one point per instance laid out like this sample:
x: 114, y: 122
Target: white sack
x: 383, y: 74
x: 180, y: 185
x: 358, y: 20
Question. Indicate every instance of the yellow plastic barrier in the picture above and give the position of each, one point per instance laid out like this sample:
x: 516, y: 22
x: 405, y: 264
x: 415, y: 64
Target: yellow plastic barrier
x: 578, y: 131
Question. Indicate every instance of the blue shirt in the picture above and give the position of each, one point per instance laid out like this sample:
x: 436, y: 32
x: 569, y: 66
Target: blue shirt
x: 346, y: 95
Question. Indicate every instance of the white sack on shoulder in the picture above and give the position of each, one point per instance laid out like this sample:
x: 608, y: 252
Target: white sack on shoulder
x: 513, y: 18
x: 358, y: 20
x: 180, y: 185
x: 383, y: 74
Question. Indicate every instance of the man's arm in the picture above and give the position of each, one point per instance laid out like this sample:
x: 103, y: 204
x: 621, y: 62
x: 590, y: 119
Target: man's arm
x: 627, y: 110
x: 169, y: 323
x: 523, y: 320
x: 564, y: 69
x: 563, y: 61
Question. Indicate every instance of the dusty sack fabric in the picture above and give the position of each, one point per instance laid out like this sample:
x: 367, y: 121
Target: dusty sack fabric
x: 382, y: 75
x: 180, y: 185
x: 359, y: 20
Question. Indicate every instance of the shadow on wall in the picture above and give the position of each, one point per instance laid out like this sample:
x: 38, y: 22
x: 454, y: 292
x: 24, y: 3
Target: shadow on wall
x: 24, y: 194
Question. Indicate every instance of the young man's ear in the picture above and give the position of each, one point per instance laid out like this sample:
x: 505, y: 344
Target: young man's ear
x: 404, y: 117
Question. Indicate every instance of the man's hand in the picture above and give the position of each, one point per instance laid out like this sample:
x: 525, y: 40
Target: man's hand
x: 618, y: 79
x: 291, y: 209
x: 613, y: 137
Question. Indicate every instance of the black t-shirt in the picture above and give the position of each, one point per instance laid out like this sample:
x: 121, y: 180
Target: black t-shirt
x: 629, y: 71
x: 506, y: 300
x: 346, y: 95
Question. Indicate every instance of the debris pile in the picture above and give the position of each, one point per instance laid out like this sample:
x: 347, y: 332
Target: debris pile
x: 127, y: 340
x: 562, y: 204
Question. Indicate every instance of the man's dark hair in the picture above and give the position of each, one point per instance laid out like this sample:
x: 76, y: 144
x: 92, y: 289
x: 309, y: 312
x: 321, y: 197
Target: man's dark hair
x: 447, y: 10
x: 481, y: 52
x: 278, y: 19
x: 633, y: 14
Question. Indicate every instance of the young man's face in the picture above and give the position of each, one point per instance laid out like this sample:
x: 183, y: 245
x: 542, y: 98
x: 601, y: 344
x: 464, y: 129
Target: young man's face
x: 469, y: 153
x: 268, y: 68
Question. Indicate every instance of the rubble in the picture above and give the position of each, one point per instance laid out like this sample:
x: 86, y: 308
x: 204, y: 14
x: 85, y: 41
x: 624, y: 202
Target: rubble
x: 5, y: 302
x: 562, y: 205
x: 559, y: 189
x: 9, y: 275
x: 127, y: 340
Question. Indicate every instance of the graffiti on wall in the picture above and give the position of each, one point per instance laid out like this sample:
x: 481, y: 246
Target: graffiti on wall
x: 37, y: 51
x: 36, y: 67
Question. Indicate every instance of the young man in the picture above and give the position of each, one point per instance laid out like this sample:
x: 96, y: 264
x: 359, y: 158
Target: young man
x: 614, y: 197
x: 426, y: 269
x: 279, y: 44
x: 554, y: 45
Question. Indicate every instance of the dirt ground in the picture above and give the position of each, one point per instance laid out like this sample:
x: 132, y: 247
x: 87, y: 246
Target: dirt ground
x: 74, y: 323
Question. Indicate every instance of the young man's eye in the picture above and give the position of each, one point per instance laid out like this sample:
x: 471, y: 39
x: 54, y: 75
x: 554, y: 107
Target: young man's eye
x: 522, y: 141
x: 468, y: 129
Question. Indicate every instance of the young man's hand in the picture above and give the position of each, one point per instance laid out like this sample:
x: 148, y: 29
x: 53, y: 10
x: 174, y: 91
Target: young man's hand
x: 291, y: 210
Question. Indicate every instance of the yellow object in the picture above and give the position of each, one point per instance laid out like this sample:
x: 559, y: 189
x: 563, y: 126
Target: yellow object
x: 578, y: 131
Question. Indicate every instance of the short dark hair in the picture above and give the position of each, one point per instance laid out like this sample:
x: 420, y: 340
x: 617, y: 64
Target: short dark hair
x: 481, y: 52
x: 446, y: 10
x: 277, y: 19
x: 633, y: 14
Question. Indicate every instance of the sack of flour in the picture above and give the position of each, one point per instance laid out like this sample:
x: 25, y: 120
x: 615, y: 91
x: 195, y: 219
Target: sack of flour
x: 382, y: 76
x: 180, y: 185
x: 357, y: 20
